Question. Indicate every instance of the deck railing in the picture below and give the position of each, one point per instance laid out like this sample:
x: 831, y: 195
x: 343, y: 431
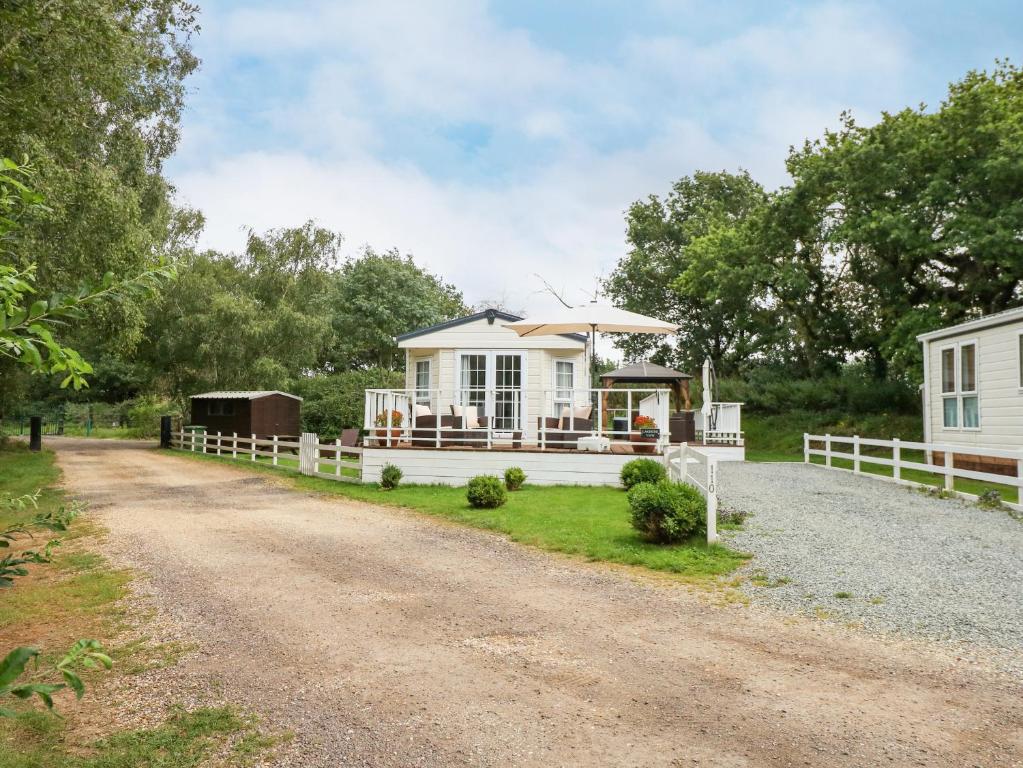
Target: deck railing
x: 516, y: 416
x: 724, y: 424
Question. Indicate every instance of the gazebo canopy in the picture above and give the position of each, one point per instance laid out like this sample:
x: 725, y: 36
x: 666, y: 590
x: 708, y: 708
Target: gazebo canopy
x: 650, y: 373
x: 639, y: 373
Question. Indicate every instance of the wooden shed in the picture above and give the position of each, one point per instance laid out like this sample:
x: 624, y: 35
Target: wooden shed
x: 261, y: 413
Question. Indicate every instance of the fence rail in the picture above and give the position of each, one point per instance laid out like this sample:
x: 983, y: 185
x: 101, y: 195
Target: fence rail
x: 897, y: 463
x: 309, y: 453
x: 680, y: 462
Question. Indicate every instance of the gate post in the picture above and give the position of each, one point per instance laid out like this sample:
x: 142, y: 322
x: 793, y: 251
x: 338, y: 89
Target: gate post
x: 712, y: 500
x: 35, y: 438
x: 307, y: 448
x: 165, y: 431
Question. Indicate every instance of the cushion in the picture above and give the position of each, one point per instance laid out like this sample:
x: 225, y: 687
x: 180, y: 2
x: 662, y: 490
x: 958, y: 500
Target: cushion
x: 566, y: 413
x: 583, y: 411
x: 423, y: 410
x: 472, y: 420
x: 456, y: 411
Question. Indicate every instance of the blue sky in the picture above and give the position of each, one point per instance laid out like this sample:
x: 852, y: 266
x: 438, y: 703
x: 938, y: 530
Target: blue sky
x: 501, y: 141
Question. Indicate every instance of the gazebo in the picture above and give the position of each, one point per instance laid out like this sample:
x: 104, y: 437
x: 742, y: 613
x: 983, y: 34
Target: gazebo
x: 682, y: 426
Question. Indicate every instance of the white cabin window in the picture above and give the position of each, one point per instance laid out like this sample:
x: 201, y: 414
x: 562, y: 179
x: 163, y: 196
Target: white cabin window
x: 960, y: 404
x: 564, y: 384
x: 423, y: 382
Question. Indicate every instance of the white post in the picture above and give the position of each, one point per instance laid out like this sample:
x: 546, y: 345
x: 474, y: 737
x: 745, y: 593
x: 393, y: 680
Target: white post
x: 275, y: 451
x: 204, y: 437
x: 1019, y: 480
x: 827, y: 449
x: 950, y: 481
x: 193, y: 441
x: 337, y: 456
x: 234, y: 445
x: 218, y: 442
x: 896, y: 459
x: 712, y: 500
x: 252, y: 447
x: 856, y: 454
x: 806, y: 448
x: 683, y: 462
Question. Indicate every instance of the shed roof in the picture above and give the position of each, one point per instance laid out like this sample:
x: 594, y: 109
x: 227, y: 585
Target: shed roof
x: 248, y: 394
x: 497, y: 314
x: 987, y: 321
x: 645, y: 371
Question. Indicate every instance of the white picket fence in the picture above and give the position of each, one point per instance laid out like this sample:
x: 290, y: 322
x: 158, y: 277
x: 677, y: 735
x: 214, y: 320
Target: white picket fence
x: 688, y: 465
x: 946, y: 469
x: 310, y: 451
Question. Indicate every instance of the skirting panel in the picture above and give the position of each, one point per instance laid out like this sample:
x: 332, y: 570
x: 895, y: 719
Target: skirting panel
x: 457, y: 467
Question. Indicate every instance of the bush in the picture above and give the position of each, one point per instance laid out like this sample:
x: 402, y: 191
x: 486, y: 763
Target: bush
x: 666, y: 512
x: 485, y: 492
x: 390, y: 476
x: 514, y: 477
x: 642, y: 471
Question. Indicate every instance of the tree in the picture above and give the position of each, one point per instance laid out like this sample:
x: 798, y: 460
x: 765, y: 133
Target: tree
x: 928, y: 211
x: 92, y: 92
x: 661, y: 234
x: 380, y: 296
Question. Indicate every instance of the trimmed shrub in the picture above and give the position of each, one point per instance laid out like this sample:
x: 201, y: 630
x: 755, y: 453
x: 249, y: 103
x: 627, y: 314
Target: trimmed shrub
x: 642, y: 471
x: 390, y: 476
x: 666, y: 512
x: 514, y: 477
x: 485, y: 492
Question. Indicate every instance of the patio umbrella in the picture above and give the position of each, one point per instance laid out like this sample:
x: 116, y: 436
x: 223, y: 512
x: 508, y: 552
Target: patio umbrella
x: 591, y: 318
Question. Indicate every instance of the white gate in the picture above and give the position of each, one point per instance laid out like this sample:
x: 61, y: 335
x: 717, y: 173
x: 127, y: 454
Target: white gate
x: 681, y: 462
x: 308, y: 452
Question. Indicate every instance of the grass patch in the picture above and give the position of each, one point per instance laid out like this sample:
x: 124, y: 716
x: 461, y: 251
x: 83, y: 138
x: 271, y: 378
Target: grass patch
x: 186, y: 740
x: 780, y: 437
x: 843, y: 595
x: 78, y: 595
x: 585, y: 521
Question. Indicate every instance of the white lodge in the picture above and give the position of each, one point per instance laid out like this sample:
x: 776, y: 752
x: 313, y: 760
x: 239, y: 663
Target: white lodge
x: 973, y: 382
x: 479, y: 398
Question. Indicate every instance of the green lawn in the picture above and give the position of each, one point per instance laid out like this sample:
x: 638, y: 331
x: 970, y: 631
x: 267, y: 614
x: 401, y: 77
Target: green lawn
x: 588, y: 522
x: 78, y: 595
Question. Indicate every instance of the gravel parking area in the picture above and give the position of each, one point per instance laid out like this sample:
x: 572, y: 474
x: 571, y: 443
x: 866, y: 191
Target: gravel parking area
x: 891, y: 557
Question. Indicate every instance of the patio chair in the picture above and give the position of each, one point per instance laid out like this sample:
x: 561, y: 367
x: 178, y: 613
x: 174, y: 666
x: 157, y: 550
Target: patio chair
x: 351, y: 437
x: 559, y: 436
x: 424, y: 433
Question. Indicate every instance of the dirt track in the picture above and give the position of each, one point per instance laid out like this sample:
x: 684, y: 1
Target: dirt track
x: 382, y: 638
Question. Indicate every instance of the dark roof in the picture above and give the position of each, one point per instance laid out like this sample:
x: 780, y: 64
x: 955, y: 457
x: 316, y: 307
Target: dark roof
x: 495, y: 313
x: 645, y: 371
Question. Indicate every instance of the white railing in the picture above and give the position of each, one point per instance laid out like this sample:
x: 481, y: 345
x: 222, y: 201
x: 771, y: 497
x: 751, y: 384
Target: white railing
x: 681, y: 461
x: 897, y: 463
x: 724, y: 424
x: 513, y: 416
x: 309, y: 452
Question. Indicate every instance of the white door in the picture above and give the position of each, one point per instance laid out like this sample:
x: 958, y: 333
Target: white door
x: 494, y: 382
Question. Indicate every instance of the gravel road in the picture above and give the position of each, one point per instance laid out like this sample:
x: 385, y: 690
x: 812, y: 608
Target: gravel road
x: 388, y: 639
x: 897, y: 558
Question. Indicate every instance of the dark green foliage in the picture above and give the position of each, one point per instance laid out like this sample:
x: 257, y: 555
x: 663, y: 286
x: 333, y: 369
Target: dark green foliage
x: 514, y: 477
x: 390, y: 476
x: 642, y: 471
x: 666, y: 512
x: 333, y: 402
x: 852, y: 391
x: 485, y: 492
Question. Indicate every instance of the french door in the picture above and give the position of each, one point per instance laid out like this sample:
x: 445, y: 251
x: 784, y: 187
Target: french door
x: 493, y: 382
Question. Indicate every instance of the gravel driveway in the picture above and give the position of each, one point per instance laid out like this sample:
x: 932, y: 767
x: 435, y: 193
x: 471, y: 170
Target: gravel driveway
x: 874, y: 552
x: 390, y: 639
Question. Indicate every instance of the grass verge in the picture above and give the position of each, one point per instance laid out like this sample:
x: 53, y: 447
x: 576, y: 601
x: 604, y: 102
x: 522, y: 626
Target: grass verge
x: 80, y: 595
x: 585, y: 521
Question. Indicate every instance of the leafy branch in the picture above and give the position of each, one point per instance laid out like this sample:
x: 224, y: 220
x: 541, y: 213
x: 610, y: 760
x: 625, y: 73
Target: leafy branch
x: 87, y: 654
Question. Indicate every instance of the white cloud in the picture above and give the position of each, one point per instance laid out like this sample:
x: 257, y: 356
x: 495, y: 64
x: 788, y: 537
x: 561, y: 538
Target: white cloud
x: 624, y: 126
